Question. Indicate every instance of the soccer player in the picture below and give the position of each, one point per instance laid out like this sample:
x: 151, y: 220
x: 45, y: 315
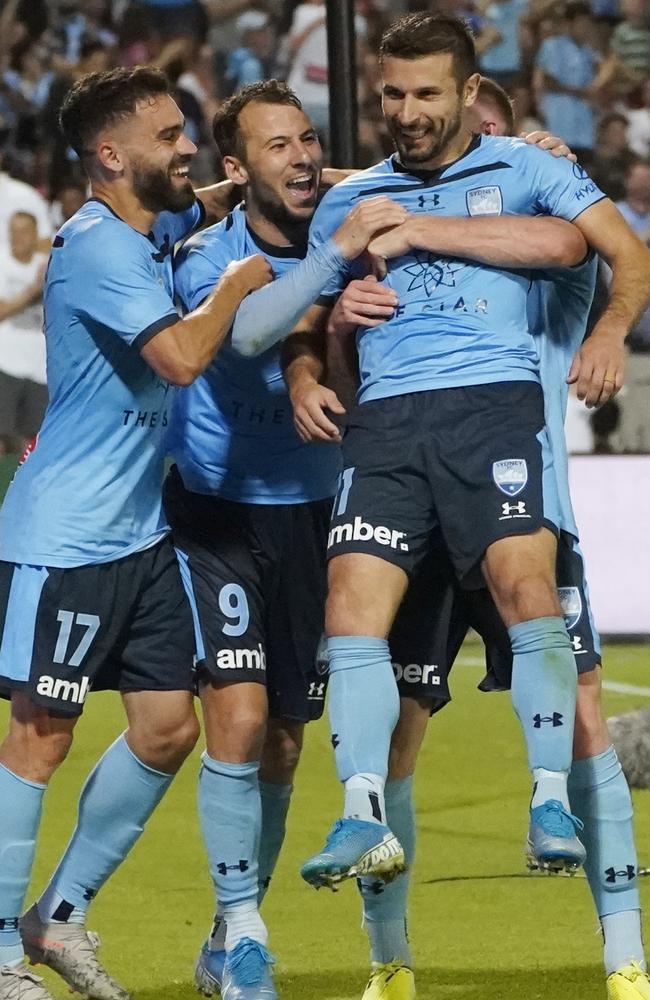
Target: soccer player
x: 90, y: 590
x: 450, y: 431
x: 249, y: 505
x: 433, y: 622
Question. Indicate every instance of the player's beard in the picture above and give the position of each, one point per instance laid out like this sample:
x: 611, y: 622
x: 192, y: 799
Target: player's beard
x: 440, y: 133
x: 268, y: 204
x: 157, y: 191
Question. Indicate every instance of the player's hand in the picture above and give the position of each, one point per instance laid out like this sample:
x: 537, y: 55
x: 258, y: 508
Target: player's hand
x: 552, y: 143
x: 250, y: 273
x: 392, y: 243
x: 363, y: 303
x: 598, y: 368
x: 311, y: 401
x: 364, y: 220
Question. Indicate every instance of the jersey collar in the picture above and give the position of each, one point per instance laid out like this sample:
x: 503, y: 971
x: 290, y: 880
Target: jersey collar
x: 297, y: 251
x: 433, y: 175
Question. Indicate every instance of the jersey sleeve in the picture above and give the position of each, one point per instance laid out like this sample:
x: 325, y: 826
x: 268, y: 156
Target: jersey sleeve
x: 328, y: 217
x: 559, y: 187
x: 118, y: 288
x: 197, y: 268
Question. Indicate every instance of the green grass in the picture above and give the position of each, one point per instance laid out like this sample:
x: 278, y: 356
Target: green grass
x: 480, y: 929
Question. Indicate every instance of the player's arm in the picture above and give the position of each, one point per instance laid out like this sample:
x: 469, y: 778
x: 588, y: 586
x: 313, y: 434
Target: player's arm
x: 303, y: 363
x: 599, y: 366
x: 219, y: 199
x: 509, y: 241
x: 182, y: 350
x: 33, y: 292
x: 272, y: 313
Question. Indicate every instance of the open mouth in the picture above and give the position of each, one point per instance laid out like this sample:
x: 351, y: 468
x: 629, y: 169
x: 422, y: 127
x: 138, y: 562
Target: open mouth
x: 302, y: 187
x: 181, y: 171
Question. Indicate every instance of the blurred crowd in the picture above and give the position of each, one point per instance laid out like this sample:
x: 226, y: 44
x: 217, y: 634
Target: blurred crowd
x: 579, y: 69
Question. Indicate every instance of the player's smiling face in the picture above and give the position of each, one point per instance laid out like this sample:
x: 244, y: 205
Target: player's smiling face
x: 157, y: 155
x: 424, y: 104
x: 280, y: 163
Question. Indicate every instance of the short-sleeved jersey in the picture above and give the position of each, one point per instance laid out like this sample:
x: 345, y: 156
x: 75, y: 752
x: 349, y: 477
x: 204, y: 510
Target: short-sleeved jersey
x: 457, y: 323
x: 90, y: 491
x: 232, y: 431
x: 558, y: 309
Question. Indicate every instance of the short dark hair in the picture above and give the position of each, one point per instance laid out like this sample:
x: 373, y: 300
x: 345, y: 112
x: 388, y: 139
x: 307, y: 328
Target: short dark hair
x: 225, y: 124
x: 492, y: 91
x: 98, y: 99
x: 577, y: 8
x: 421, y: 34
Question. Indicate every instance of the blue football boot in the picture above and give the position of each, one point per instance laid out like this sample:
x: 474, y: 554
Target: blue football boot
x: 355, y: 847
x: 552, y: 842
x: 208, y: 971
x: 247, y: 973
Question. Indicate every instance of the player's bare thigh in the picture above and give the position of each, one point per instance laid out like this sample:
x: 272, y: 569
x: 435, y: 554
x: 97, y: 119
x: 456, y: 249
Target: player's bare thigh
x: 235, y: 716
x: 364, y: 595
x: 520, y: 573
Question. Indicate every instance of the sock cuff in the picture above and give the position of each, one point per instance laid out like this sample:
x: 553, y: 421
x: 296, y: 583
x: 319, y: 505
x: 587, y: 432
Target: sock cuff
x: 537, y: 634
x: 227, y: 770
x: 121, y: 742
x: 274, y: 791
x: 24, y: 781
x: 350, y: 652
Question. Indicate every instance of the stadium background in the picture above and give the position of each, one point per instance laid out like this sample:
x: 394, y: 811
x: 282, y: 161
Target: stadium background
x: 480, y: 926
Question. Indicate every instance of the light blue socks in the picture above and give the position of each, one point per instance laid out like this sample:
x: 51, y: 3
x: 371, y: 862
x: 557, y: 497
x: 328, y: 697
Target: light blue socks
x: 544, y: 684
x: 385, y: 906
x: 601, y: 798
x: 230, y: 811
x: 363, y: 710
x: 117, y: 799
x: 20, y: 815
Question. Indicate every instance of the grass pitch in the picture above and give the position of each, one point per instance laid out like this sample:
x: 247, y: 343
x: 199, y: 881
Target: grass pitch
x: 480, y: 927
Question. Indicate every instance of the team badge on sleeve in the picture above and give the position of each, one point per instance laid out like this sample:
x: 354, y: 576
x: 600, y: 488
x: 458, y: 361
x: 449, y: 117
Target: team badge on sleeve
x: 485, y: 201
x: 510, y: 475
x: 571, y: 604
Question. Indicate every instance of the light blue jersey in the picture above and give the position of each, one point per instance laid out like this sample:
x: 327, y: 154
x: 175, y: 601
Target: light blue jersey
x: 558, y: 309
x: 233, y: 434
x: 458, y: 323
x: 90, y: 492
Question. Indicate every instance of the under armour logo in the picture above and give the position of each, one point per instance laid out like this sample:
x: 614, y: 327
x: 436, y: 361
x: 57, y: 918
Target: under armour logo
x: 555, y: 719
x: 89, y: 894
x: 9, y: 924
x: 513, y: 508
x: 335, y: 740
x: 432, y: 200
x: 375, y: 888
x: 241, y: 866
x: 612, y: 875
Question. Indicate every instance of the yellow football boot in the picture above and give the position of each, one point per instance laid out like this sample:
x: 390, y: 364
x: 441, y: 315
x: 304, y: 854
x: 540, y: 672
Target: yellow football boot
x: 394, y: 981
x: 628, y: 983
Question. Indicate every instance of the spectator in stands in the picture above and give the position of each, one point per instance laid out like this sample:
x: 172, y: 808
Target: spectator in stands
x: 612, y: 156
x: 635, y: 207
x: 84, y: 21
x: 170, y: 18
x: 16, y: 196
x: 565, y: 71
x: 638, y: 132
x: 499, y: 40
x: 526, y: 119
x: 251, y: 60
x: 68, y: 200
x: 308, y: 74
x: 630, y: 44
x: 23, y: 391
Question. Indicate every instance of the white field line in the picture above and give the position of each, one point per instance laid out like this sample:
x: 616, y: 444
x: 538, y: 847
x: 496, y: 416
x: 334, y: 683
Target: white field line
x: 615, y: 686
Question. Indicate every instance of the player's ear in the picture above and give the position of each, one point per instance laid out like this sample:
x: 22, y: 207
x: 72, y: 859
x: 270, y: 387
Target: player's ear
x: 470, y: 90
x: 109, y: 156
x: 235, y: 170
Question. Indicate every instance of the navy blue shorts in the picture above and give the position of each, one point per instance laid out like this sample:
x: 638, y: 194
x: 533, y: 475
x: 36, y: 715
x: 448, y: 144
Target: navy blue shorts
x: 437, y: 614
x: 472, y: 461
x: 124, y: 625
x: 257, y: 576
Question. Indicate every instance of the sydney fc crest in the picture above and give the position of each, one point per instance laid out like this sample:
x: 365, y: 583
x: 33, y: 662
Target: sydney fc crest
x: 571, y: 604
x: 485, y: 201
x: 510, y: 475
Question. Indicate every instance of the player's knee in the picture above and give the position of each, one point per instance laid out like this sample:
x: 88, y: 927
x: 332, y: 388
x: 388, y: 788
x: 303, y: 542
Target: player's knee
x: 281, y: 755
x: 166, y: 745
x: 526, y: 596
x: 35, y: 752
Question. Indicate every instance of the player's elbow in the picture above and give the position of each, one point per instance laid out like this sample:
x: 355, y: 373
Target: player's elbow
x: 245, y: 345
x: 570, y: 249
